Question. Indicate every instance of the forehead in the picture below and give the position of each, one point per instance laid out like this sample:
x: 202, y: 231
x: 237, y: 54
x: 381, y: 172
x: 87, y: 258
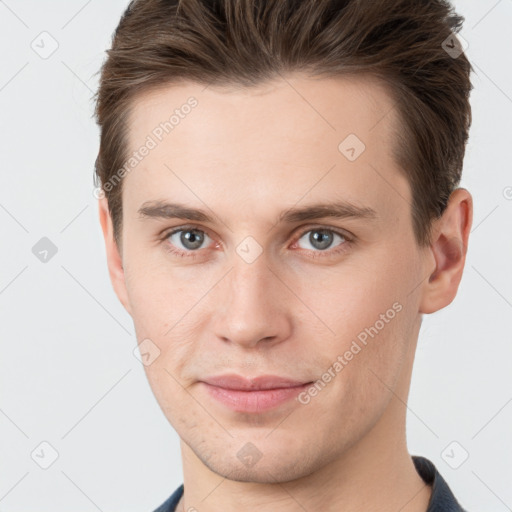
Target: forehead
x: 279, y: 142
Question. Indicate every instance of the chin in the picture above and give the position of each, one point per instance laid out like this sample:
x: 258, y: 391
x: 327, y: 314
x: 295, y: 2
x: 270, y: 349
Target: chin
x: 276, y: 468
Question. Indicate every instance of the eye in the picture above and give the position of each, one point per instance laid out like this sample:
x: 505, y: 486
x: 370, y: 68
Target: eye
x: 186, y: 240
x: 321, y: 239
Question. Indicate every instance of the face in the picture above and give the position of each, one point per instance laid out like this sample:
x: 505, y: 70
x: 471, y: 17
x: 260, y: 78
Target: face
x: 263, y: 281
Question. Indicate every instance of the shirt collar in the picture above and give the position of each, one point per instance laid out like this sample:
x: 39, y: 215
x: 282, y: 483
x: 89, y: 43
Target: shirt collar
x: 442, y: 499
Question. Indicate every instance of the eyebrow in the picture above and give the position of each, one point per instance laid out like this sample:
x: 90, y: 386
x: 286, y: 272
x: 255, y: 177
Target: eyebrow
x: 337, y: 209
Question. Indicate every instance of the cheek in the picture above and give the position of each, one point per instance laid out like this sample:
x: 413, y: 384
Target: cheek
x: 158, y: 298
x: 369, y: 311
x: 159, y: 315
x: 351, y: 297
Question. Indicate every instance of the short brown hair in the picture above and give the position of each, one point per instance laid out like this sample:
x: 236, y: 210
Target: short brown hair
x: 247, y: 42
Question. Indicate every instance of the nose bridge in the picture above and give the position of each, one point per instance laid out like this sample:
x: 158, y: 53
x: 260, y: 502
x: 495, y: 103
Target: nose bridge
x: 251, y: 305
x: 250, y: 279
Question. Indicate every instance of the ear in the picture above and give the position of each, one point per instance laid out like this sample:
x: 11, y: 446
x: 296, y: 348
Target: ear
x: 447, y: 253
x: 114, y: 259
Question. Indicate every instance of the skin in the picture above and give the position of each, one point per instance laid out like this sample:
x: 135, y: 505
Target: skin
x: 244, y: 156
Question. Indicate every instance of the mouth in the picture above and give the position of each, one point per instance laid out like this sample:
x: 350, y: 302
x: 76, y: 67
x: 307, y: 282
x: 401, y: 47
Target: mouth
x: 253, y: 395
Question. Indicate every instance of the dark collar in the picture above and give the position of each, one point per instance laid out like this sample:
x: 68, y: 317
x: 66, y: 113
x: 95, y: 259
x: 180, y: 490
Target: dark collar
x: 442, y: 499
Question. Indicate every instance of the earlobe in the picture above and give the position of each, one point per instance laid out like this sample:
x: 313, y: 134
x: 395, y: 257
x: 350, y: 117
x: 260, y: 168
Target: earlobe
x: 448, y: 249
x: 114, y: 259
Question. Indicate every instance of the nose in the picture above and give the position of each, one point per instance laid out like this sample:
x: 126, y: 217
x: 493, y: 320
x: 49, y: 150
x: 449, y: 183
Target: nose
x: 252, y: 305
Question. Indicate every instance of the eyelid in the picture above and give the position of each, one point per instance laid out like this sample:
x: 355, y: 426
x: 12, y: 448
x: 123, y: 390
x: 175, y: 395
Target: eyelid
x: 339, y: 231
x: 348, y: 237
x: 167, y: 233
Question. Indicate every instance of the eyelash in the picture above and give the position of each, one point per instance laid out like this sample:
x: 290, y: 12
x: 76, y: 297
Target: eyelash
x: 342, y: 247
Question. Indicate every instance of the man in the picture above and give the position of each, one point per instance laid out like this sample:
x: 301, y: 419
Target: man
x: 280, y: 209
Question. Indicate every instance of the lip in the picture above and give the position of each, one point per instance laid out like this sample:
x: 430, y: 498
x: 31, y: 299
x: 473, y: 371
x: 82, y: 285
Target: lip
x: 261, y: 382
x: 254, y: 395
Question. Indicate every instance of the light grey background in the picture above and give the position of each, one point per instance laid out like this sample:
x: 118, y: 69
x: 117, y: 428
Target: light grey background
x: 67, y: 372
